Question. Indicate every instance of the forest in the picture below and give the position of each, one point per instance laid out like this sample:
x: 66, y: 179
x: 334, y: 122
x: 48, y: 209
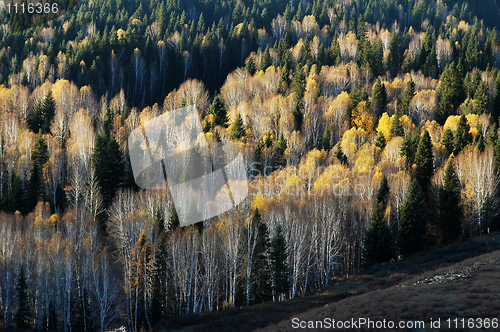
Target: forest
x: 369, y: 132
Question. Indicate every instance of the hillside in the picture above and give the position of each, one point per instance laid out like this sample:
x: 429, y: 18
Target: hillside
x: 451, y: 282
x: 169, y: 160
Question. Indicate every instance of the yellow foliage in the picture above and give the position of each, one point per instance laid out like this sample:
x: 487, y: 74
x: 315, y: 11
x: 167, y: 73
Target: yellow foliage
x: 53, y: 219
x: 406, y: 123
x: 363, y: 117
x: 364, y: 159
x: 260, y: 202
x: 351, y: 141
x: 384, y: 126
x: 434, y: 129
x: 451, y: 123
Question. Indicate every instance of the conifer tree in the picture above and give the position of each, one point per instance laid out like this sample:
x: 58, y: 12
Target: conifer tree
x: 261, y: 289
x: 396, y: 127
x: 448, y: 140
x: 280, y: 148
x: 22, y: 316
x: 394, y: 55
x: 462, y: 135
x: 218, y: 110
x: 450, y: 212
x: 299, y: 82
x: 408, y: 96
x: 481, y: 96
x: 325, y: 140
x: 424, y: 160
x: 413, y: 221
x: 297, y: 116
x: 409, y: 147
x: 266, y: 60
x: 238, y: 129
x: 450, y: 93
x: 377, y: 243
x: 380, y: 140
x: 139, y: 280
x: 339, y: 154
x: 250, y: 67
x: 174, y: 220
x: 278, y: 258
x: 379, y: 98
x: 39, y: 156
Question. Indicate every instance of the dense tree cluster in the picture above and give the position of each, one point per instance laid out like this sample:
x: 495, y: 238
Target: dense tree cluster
x: 369, y: 130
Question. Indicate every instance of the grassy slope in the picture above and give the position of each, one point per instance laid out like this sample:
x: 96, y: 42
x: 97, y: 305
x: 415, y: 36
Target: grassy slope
x: 377, y: 293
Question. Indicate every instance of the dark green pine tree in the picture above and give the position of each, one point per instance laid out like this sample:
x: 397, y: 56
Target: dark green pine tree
x: 412, y: 229
x: 159, y: 279
x: 297, y: 116
x: 278, y: 258
x: 48, y: 111
x: 238, y: 128
x: 472, y: 53
x: 448, y: 140
x: 450, y: 93
x: 250, y: 67
x: 380, y: 140
x: 325, y: 140
x: 396, y: 127
x: 408, y: 96
x: 409, y: 147
x: 218, y: 110
x: 299, y: 82
x: 394, y: 55
x: 39, y: 156
x: 481, y: 96
x: 115, y: 171
x: 424, y: 160
x: 339, y: 154
x: 379, y: 98
x: 22, y: 316
x: 261, y: 289
x: 280, y: 148
x: 450, y: 211
x: 173, y: 221
x: 462, y: 135
x: 266, y: 60
x: 378, y: 243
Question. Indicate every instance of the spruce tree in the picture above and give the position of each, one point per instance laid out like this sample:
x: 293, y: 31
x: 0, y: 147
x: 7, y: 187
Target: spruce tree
x: 379, y: 98
x: 450, y: 93
x: 424, y: 160
x: 250, y: 66
x: 412, y: 229
x: 394, y: 55
x: 261, y: 289
x: 299, y: 82
x: 325, y: 140
x: 462, y: 135
x: 218, y: 110
x: 280, y: 148
x: 266, y: 60
x: 238, y: 129
x: 279, y: 265
x: 339, y: 154
x: 450, y: 211
x: 297, y: 116
x: 408, y: 96
x: 378, y: 243
x: 22, y: 316
x: 409, y: 147
x: 396, y: 127
x: 481, y: 96
x: 448, y: 140
x: 380, y: 140
x: 39, y: 156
